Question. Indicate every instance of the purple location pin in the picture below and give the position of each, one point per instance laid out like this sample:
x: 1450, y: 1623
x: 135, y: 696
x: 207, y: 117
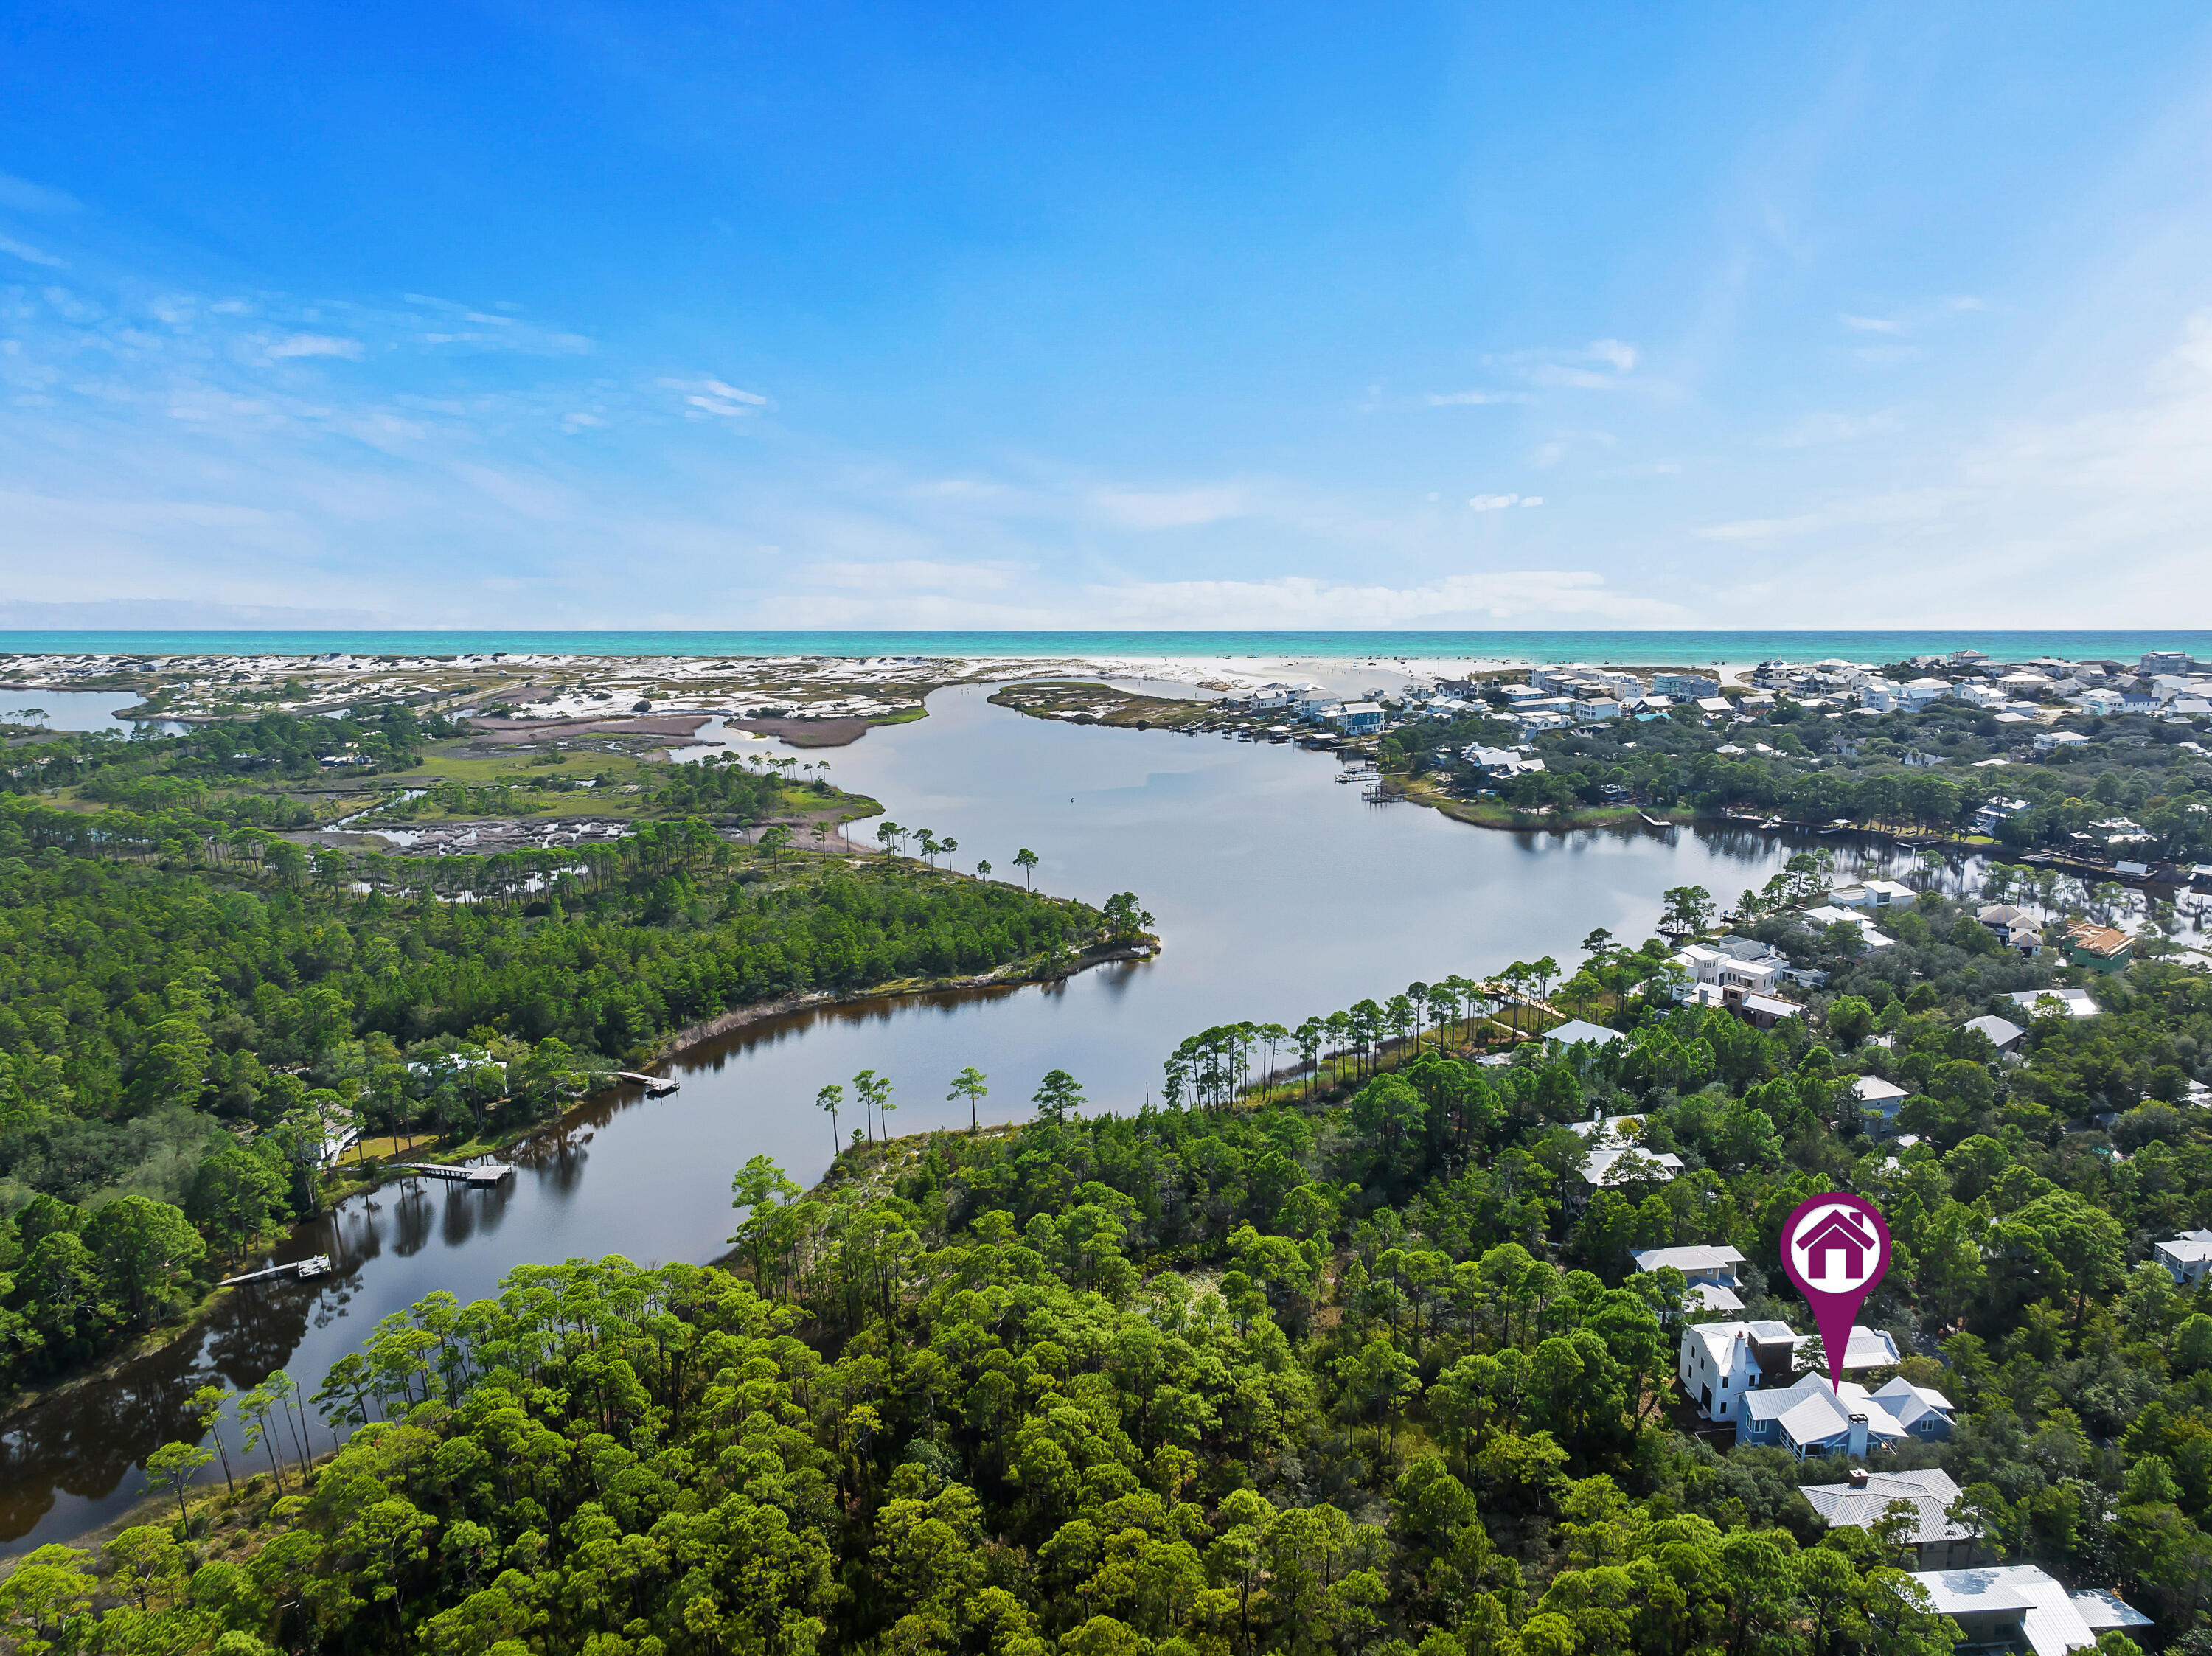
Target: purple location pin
x: 1835, y: 1248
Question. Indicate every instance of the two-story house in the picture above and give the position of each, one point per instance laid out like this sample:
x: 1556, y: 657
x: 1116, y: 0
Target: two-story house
x: 1710, y: 1269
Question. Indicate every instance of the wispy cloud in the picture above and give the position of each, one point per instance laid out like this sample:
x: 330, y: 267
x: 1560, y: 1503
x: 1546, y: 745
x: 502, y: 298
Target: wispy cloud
x: 312, y: 344
x: 709, y: 397
x: 30, y: 255
x: 1871, y: 324
x: 1181, y: 508
x: 1602, y: 365
x: 24, y: 197
x: 1471, y: 398
x: 1499, y: 502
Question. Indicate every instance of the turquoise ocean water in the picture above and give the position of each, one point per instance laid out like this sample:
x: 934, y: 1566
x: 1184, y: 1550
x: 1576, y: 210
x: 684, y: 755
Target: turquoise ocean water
x: 1652, y: 649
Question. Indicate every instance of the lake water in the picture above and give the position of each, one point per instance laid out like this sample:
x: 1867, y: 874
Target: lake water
x: 1277, y: 893
x: 79, y: 710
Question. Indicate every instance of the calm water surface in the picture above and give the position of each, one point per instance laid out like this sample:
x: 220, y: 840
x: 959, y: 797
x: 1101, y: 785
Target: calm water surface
x: 1277, y: 893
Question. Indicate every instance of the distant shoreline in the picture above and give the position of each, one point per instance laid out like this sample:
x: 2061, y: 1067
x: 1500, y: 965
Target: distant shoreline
x: 1676, y: 648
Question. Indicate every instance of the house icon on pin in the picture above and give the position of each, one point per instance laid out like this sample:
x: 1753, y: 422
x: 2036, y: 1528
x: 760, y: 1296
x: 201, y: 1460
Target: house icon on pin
x: 1840, y: 1233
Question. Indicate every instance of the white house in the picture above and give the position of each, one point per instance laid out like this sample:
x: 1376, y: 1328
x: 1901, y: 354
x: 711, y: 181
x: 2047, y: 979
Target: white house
x: 1629, y: 1165
x: 1880, y: 1098
x: 1357, y: 718
x: 2042, y: 1003
x: 1826, y: 915
x: 2187, y: 1257
x: 1748, y: 965
x: 2003, y: 1606
x: 1499, y: 761
x: 1723, y: 1363
x: 2045, y: 741
x: 1575, y: 1031
x: 1874, y: 893
x: 1937, y: 1541
x: 1710, y: 1269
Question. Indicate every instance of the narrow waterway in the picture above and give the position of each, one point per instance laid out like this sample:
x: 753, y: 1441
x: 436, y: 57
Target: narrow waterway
x: 1277, y: 893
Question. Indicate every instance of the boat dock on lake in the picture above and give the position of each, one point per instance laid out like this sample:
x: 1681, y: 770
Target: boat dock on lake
x: 300, y: 1270
x: 655, y: 1086
x: 474, y: 1174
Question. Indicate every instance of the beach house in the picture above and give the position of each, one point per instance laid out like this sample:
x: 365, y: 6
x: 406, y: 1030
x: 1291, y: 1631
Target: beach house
x: 2011, y: 1606
x: 1711, y: 1269
x: 1936, y: 1542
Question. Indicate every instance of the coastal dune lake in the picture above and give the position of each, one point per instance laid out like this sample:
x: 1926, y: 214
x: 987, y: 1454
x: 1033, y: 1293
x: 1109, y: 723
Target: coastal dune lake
x: 1277, y: 894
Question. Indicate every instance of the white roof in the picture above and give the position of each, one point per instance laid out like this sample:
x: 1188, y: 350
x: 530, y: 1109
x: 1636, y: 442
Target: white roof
x: 1620, y: 1167
x: 1811, y: 1413
x: 2051, y: 1620
x: 1873, y: 1089
x: 2100, y: 1607
x: 1577, y: 1030
x: 2078, y: 1003
x: 1870, y: 1348
x: 2189, y: 1247
x: 1699, y: 1257
x: 1859, y: 1506
x: 1909, y: 1402
x: 1711, y: 1296
x: 1999, y: 1030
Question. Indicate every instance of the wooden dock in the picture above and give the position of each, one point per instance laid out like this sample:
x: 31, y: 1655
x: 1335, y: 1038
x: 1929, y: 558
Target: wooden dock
x: 481, y: 1174
x: 299, y: 1270
x: 657, y: 1086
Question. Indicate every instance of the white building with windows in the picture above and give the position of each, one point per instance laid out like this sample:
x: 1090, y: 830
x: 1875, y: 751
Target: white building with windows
x: 1710, y: 1269
x: 2187, y: 1257
x: 1723, y: 1363
x: 1808, y: 1418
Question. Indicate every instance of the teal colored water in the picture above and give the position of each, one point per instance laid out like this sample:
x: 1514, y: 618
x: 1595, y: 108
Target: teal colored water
x: 1652, y: 649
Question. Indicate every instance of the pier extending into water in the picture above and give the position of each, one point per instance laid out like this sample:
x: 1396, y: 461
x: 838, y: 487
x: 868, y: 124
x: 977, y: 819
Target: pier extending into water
x: 477, y: 1174
x: 300, y: 1270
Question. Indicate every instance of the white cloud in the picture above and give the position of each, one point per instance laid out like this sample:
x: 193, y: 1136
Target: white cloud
x: 27, y: 197
x: 1181, y: 508
x: 1471, y: 398
x: 31, y: 255
x: 1499, y: 502
x: 1871, y: 324
x: 312, y: 344
x: 705, y: 396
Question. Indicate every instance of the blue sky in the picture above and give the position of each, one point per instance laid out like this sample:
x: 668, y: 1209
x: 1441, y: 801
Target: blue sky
x: 824, y: 316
